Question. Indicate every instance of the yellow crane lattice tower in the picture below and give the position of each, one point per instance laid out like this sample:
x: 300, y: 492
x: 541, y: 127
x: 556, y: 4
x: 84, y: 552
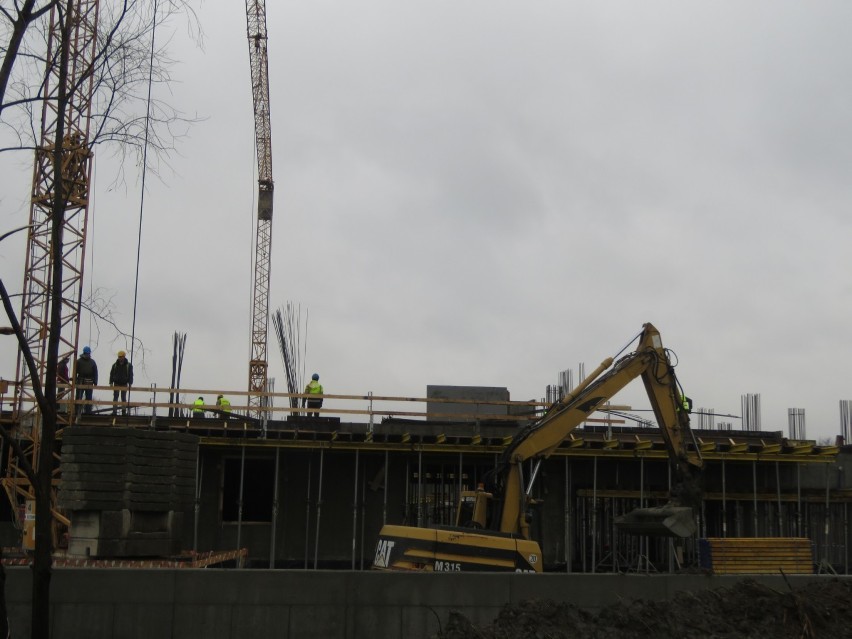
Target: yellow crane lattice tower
x: 257, y: 38
x: 70, y: 85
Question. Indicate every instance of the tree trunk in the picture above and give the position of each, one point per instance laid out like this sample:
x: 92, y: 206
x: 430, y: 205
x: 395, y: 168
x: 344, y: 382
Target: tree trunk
x: 43, y: 555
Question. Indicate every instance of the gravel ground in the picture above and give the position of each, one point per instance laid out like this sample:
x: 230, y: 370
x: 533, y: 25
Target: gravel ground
x: 746, y: 610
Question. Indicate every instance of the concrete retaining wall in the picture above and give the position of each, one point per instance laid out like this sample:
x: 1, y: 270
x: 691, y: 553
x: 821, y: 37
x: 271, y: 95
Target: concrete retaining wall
x: 288, y: 604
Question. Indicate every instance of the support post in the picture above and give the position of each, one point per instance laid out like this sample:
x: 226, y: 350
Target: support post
x: 778, y: 495
x: 567, y: 516
x: 420, y: 488
x: 274, y: 529
x: 319, y: 509
x: 827, y: 528
x: 240, y: 498
x: 199, y: 476
x: 594, y: 535
x: 754, y: 496
x: 308, y: 512
x: 799, y: 501
x: 385, y: 498
x: 362, y: 507
x: 355, y: 510
x: 724, y: 503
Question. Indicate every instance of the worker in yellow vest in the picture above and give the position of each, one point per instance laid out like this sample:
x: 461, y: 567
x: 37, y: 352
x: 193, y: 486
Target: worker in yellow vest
x: 198, y: 407
x: 313, y: 388
x: 223, y: 403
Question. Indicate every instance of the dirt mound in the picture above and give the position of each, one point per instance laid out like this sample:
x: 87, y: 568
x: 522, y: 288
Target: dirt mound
x: 747, y: 609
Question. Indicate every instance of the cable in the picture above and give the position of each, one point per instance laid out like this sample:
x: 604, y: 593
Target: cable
x: 91, y: 243
x: 625, y: 347
x: 142, y: 195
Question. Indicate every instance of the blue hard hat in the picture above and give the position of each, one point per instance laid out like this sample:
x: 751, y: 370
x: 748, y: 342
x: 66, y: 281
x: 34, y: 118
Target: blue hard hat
x: 315, y: 376
x: 86, y: 350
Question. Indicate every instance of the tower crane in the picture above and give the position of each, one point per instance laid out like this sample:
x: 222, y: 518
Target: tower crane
x: 58, y: 213
x: 257, y: 383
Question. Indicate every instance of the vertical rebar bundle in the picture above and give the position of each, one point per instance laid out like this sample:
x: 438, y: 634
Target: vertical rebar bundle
x: 751, y: 411
x: 178, y: 348
x: 288, y: 327
x: 796, y: 422
x: 564, y: 384
x: 845, y: 425
x: 706, y: 418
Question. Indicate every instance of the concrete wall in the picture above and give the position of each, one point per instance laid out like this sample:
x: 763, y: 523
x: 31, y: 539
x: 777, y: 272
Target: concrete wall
x: 478, y: 393
x: 302, y: 509
x: 232, y: 604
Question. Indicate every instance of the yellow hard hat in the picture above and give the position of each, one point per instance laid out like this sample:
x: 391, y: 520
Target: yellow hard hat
x: 121, y: 353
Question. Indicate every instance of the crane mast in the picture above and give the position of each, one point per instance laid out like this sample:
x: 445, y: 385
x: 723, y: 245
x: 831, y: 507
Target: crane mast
x: 58, y: 213
x: 257, y: 384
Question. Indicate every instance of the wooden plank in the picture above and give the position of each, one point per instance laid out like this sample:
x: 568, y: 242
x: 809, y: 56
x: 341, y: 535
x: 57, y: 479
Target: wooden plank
x: 757, y: 555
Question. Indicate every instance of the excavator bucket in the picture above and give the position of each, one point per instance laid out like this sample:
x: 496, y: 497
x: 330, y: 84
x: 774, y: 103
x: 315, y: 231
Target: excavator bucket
x: 660, y: 521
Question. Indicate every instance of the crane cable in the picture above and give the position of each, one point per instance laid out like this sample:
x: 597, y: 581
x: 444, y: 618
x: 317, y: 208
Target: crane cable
x: 144, y: 173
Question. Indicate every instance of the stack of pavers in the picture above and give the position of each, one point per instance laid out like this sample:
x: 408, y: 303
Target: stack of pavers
x: 126, y: 491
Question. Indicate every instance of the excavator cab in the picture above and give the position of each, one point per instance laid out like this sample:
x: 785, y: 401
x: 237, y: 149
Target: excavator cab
x: 474, y: 508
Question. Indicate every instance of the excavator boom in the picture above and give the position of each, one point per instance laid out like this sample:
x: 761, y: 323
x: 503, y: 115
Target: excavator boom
x: 649, y: 361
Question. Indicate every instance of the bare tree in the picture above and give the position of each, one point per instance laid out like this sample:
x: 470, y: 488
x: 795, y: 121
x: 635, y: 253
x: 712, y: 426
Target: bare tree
x: 124, y: 67
x: 18, y: 21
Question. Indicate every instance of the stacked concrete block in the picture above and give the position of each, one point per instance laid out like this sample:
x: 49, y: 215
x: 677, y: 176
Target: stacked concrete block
x: 126, y: 490
x: 474, y: 411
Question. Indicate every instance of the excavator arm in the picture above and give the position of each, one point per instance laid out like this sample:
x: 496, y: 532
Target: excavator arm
x: 649, y: 361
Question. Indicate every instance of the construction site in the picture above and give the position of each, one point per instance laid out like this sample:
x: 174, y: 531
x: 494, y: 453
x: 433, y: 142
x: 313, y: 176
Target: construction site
x: 313, y: 492
x: 460, y: 512
x: 302, y: 495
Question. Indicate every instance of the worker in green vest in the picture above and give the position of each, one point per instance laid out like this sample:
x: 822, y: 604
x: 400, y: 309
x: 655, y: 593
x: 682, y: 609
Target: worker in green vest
x: 313, y: 388
x: 198, y: 407
x: 223, y: 403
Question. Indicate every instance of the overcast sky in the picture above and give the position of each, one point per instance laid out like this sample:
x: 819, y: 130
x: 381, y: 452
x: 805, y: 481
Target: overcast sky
x: 486, y: 192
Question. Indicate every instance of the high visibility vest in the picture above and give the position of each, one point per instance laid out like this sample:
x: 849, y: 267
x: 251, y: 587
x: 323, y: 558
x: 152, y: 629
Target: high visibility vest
x: 199, y: 406
x: 225, y: 404
x: 314, y: 388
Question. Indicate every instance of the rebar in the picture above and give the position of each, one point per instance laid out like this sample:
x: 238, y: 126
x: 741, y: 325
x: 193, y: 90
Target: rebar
x: 178, y: 349
x: 288, y: 325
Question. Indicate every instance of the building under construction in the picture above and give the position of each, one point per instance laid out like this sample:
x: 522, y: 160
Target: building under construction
x: 313, y: 492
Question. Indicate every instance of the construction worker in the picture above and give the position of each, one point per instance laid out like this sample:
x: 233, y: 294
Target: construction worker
x: 63, y: 376
x: 120, y: 377
x: 313, y: 388
x: 198, y: 407
x: 86, y: 372
x: 223, y: 403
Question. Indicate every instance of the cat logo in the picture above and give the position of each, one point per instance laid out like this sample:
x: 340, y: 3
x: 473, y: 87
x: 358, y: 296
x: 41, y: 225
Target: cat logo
x: 383, y: 553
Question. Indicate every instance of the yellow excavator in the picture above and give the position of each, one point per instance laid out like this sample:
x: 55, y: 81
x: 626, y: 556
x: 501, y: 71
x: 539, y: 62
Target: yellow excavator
x: 492, y: 531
